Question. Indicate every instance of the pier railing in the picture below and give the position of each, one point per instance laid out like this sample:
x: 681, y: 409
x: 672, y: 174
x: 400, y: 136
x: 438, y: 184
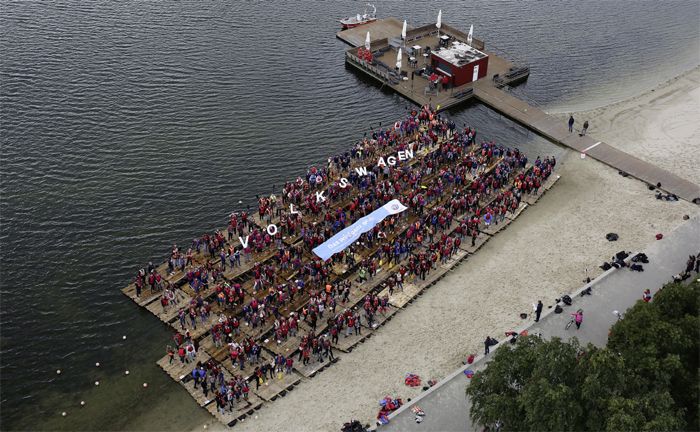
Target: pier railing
x: 382, y: 75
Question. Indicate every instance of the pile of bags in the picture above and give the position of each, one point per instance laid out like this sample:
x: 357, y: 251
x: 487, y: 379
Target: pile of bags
x: 412, y: 380
x: 388, y: 404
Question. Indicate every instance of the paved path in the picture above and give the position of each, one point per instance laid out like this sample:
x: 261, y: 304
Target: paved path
x: 557, y: 131
x: 446, y: 405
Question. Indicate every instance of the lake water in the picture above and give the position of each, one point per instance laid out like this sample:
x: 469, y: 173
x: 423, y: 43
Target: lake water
x: 127, y: 127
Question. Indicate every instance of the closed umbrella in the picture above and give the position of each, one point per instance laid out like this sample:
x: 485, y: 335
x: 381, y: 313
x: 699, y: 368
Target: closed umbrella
x: 398, y: 60
x: 403, y: 31
x: 367, y: 42
x: 471, y: 33
x: 438, y: 24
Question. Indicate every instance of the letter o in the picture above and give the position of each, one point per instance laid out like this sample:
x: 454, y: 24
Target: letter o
x: 272, y: 229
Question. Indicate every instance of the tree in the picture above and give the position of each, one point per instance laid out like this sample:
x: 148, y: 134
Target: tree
x: 529, y: 387
x: 645, y: 379
x: 661, y: 340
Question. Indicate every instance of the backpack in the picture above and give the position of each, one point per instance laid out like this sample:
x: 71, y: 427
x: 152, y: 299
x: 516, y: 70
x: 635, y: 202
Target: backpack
x: 558, y: 309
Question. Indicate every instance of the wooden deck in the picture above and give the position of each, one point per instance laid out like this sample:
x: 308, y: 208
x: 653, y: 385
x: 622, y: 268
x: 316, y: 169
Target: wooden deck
x: 383, y: 28
x: 414, y: 87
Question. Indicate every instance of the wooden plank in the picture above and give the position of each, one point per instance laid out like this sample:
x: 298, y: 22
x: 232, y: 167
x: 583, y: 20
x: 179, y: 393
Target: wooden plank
x: 481, y: 239
x: 400, y: 298
x: 347, y: 343
x: 521, y: 207
x: 278, y: 386
x: 497, y: 226
x: 379, y: 318
x: 242, y: 409
x: 179, y: 370
x: 314, y: 366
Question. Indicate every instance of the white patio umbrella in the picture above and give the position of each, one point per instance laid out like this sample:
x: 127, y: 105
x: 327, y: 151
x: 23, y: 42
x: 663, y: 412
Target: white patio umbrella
x: 398, y: 60
x: 367, y: 41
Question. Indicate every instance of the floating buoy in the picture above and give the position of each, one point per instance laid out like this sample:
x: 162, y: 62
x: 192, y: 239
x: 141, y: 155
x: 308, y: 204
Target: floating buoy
x: 256, y: 416
x: 58, y: 372
x: 205, y: 426
x: 124, y: 337
x: 97, y: 383
x: 64, y: 414
x: 145, y: 385
x: 82, y: 403
x: 97, y: 364
x: 126, y: 372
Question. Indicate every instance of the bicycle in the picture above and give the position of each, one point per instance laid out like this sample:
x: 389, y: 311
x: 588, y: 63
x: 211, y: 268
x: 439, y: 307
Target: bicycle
x: 571, y: 321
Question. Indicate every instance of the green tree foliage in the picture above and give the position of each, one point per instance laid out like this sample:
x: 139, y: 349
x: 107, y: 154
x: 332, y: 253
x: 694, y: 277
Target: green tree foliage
x: 646, y: 379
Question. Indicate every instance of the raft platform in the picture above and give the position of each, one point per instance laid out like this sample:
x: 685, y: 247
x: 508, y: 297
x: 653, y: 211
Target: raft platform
x: 385, y: 35
x: 283, y: 383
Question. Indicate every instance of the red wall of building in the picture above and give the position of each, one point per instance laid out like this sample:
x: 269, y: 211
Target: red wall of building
x: 463, y: 75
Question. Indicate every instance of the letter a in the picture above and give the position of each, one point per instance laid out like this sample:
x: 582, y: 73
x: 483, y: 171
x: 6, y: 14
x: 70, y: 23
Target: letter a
x: 381, y: 162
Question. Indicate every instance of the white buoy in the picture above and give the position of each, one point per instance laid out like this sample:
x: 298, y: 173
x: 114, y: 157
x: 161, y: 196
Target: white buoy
x: 97, y: 364
x: 145, y: 385
x: 82, y: 403
x: 124, y: 337
x: 58, y: 372
x: 126, y: 372
x: 97, y: 383
x: 205, y: 426
x: 256, y: 416
x: 64, y: 414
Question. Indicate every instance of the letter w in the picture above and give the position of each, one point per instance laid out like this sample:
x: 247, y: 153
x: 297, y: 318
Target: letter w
x: 361, y: 171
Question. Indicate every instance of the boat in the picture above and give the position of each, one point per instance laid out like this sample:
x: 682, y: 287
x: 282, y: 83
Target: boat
x: 358, y: 20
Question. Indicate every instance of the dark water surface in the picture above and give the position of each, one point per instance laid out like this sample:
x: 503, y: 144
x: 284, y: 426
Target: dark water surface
x: 126, y: 127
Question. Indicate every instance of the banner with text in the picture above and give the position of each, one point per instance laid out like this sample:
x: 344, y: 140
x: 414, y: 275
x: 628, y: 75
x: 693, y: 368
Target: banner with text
x: 348, y: 235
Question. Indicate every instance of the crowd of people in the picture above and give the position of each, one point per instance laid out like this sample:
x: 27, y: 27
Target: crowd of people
x: 454, y: 188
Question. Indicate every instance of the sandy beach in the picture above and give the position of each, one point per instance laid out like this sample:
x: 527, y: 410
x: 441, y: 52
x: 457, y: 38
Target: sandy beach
x: 540, y: 256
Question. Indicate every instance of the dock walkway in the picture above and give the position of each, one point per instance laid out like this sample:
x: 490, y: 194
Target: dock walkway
x: 557, y: 131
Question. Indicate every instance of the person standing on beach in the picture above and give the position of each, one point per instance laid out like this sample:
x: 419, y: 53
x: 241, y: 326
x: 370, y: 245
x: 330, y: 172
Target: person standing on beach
x: 538, y: 310
x: 584, y: 129
x: 578, y: 318
x: 571, y: 124
x: 487, y: 345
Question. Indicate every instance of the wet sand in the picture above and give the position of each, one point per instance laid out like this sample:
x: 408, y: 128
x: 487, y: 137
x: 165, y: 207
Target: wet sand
x: 540, y: 256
